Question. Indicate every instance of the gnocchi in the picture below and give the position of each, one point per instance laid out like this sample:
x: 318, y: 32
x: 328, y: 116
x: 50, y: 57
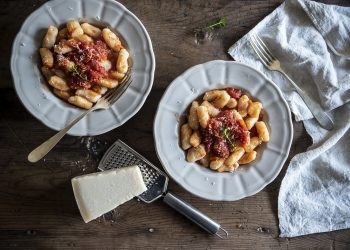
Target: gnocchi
x: 224, y: 129
x: 195, y: 139
x: 62, y: 34
x: 122, y: 61
x: 196, y: 153
x: 80, y: 102
x: 89, y: 95
x: 62, y: 94
x: 242, y: 106
x: 50, y: 37
x: 205, y: 161
x: 186, y: 133
x: 74, y: 29
x: 203, y: 116
x: 46, y: 57
x: 247, y: 158
x: 46, y: 72
x: 193, y: 117
x: 58, y: 83
x: 212, y: 110
x: 262, y: 131
x: 91, y: 30
x: 117, y: 75
x: 81, y: 62
x: 111, y: 39
x: 216, y: 163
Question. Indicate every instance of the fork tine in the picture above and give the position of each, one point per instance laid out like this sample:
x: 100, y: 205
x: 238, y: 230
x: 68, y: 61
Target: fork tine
x: 263, y: 59
x: 124, y: 83
x: 262, y: 50
x: 110, y: 94
x: 120, y: 91
x: 261, y: 42
x: 266, y: 48
x: 127, y: 75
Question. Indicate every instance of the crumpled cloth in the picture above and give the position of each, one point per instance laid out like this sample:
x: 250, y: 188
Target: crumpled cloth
x: 312, y: 42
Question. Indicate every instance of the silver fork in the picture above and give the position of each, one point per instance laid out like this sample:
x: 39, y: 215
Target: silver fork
x: 272, y: 63
x: 104, y: 103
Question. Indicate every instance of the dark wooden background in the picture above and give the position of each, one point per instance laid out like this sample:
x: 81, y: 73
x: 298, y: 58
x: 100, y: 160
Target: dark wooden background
x: 37, y: 207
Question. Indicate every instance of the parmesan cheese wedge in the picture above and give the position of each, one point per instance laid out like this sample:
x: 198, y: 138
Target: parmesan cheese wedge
x: 99, y: 193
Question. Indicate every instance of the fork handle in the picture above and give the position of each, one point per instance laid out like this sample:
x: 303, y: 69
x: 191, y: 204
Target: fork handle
x: 46, y: 147
x: 321, y: 116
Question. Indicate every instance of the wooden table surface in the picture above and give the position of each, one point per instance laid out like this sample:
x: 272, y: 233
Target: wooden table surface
x: 37, y: 207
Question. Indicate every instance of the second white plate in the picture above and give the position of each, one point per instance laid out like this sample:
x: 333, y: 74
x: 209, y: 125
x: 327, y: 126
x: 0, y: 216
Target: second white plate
x: 204, y: 182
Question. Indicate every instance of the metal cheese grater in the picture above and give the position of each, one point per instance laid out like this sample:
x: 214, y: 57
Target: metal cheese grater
x: 121, y: 155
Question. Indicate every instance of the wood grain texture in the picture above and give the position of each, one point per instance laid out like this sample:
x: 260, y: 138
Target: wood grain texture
x: 37, y: 207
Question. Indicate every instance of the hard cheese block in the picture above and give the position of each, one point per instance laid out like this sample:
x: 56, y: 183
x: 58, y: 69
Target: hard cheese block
x: 99, y: 193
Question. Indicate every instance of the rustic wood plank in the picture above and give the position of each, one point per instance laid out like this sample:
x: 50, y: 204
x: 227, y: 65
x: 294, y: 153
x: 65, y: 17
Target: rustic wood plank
x: 37, y: 208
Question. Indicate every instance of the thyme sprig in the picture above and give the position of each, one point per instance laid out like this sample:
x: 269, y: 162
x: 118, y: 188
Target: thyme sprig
x: 75, y: 71
x: 227, y: 133
x: 221, y: 23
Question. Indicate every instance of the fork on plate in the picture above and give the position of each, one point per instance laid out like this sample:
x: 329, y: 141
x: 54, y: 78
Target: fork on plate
x: 104, y: 102
x: 272, y: 63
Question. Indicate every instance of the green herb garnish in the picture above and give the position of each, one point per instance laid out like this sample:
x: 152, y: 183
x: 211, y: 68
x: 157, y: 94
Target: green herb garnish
x: 227, y: 133
x: 221, y: 23
x: 75, y: 71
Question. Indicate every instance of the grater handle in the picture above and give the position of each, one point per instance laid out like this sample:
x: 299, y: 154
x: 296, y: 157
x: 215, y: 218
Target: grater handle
x: 194, y: 215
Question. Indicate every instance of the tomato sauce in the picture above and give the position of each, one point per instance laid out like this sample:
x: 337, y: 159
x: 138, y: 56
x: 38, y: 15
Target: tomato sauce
x: 223, y: 133
x: 87, y: 58
x: 234, y: 93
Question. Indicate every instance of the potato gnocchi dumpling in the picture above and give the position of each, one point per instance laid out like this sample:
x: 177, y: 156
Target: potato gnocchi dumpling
x: 223, y: 130
x: 81, y: 62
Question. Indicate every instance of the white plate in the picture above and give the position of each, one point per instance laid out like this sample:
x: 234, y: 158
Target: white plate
x: 204, y: 182
x: 32, y: 88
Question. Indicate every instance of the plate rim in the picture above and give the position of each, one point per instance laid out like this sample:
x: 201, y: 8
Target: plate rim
x: 43, y: 119
x: 225, y: 197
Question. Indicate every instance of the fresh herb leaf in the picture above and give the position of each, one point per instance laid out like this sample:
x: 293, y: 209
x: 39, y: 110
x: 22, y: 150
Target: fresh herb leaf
x: 227, y: 135
x: 221, y: 23
x: 75, y: 71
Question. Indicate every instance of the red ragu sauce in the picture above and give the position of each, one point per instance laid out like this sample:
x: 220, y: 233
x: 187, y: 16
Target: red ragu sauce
x: 223, y: 132
x: 87, y: 56
x: 234, y: 93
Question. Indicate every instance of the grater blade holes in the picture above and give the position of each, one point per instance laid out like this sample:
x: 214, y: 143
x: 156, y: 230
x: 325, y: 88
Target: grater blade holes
x: 123, y: 158
x: 121, y: 155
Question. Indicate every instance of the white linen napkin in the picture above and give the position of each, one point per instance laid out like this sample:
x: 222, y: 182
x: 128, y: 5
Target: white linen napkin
x: 312, y: 41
